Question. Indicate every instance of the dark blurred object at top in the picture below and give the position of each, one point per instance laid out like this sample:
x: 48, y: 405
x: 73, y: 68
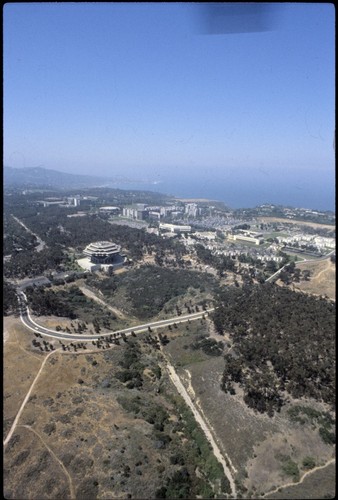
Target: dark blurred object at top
x: 241, y: 17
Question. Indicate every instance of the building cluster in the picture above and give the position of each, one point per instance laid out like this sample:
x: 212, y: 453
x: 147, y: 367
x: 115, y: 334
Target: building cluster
x: 140, y: 211
x: 306, y: 240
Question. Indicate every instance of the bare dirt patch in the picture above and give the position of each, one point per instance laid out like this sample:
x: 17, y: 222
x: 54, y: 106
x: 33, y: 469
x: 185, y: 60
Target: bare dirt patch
x: 298, y: 222
x: 322, y: 280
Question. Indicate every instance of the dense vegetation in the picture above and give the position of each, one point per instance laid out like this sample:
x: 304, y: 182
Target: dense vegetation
x: 9, y: 301
x: 16, y: 237
x: 284, y: 342
x: 208, y: 345
x: 322, y: 420
x: 69, y: 302
x: 149, y: 288
x: 65, y: 235
x: 53, y: 226
x: 182, y: 482
x: 31, y: 263
x: 220, y: 262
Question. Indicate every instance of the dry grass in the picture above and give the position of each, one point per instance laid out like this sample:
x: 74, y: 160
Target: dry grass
x: 319, y: 484
x: 19, y: 369
x: 255, y: 443
x: 82, y: 422
x: 76, y: 434
x: 322, y: 280
x: 298, y: 222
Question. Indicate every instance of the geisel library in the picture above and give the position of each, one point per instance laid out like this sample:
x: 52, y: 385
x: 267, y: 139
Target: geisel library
x: 102, y: 255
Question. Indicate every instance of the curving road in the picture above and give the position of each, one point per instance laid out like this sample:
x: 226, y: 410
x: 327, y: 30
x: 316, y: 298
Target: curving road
x: 28, y: 321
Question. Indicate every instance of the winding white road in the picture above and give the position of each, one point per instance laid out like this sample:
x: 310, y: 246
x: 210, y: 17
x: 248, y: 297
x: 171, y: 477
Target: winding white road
x: 28, y: 321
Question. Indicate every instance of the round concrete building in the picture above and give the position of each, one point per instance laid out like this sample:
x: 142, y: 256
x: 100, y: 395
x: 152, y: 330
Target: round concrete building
x: 102, y: 252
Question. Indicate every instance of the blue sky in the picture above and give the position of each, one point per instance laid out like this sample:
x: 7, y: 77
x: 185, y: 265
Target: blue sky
x: 139, y: 89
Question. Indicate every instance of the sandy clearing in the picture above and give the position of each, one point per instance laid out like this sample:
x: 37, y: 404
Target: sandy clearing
x: 294, y: 221
x: 9, y: 323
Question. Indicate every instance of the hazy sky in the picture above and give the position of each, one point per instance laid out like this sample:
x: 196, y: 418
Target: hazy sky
x: 139, y: 89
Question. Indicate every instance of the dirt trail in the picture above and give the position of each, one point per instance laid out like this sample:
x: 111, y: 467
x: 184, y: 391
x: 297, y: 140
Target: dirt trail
x: 15, y: 423
x: 287, y: 485
x: 93, y: 296
x: 42, y: 243
x: 183, y: 392
x: 71, y: 487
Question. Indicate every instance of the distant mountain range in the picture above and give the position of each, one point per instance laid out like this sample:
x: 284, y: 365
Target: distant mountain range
x: 35, y: 177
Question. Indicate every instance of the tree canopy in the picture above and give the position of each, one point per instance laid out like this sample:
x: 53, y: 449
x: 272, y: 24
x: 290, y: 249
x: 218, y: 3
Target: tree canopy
x: 284, y: 342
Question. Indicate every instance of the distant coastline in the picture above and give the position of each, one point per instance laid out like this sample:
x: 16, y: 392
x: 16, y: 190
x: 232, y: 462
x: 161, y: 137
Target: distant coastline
x: 306, y: 192
x: 197, y: 200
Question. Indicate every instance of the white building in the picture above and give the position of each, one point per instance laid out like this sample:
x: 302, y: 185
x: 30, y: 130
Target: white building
x: 191, y: 209
x: 173, y: 228
x: 135, y: 212
x: 250, y: 237
x: 206, y: 235
x: 109, y: 210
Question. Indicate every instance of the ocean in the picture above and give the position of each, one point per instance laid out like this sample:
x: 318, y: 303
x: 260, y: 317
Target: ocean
x: 301, y: 191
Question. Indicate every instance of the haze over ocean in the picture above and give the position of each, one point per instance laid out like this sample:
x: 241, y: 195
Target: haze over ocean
x: 249, y: 192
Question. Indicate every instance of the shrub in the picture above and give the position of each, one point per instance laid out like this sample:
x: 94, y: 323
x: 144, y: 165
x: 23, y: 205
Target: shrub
x: 291, y: 469
x: 327, y: 436
x: 309, y: 462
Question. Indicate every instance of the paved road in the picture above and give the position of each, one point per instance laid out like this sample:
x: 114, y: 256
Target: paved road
x: 28, y: 321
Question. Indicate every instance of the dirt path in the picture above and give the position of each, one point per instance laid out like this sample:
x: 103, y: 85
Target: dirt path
x: 183, y: 392
x: 23, y: 404
x: 93, y: 296
x: 287, y: 485
x: 71, y: 487
x: 41, y: 245
x: 323, y: 271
